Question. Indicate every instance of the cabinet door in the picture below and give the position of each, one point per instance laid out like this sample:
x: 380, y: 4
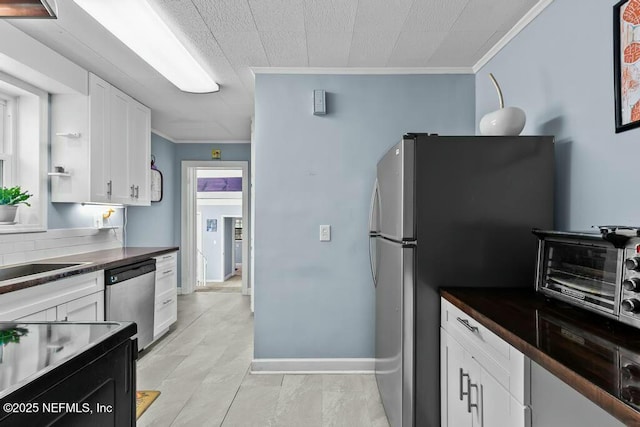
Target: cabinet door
x: 455, y: 383
x: 140, y: 153
x: 121, y: 191
x: 99, y: 109
x: 498, y: 407
x: 41, y: 316
x: 89, y: 308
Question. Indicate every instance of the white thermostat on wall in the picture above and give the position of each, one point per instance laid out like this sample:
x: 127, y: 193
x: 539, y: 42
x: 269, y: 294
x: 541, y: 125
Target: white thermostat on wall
x: 319, y: 103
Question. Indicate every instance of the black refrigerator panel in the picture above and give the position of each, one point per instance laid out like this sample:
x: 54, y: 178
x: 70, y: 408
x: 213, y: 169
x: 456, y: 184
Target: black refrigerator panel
x: 476, y: 201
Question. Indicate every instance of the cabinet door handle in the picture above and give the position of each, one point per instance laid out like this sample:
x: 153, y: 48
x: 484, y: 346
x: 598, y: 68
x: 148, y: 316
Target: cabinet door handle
x: 467, y: 325
x: 469, y: 387
x: 137, y: 191
x: 462, y: 392
x: 131, y: 193
x: 109, y: 187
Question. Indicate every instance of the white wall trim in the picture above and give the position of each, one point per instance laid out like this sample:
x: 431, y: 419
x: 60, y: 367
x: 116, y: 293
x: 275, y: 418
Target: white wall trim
x: 163, y: 135
x: 313, y: 366
x: 362, y: 70
x: 512, y: 33
x: 188, y: 209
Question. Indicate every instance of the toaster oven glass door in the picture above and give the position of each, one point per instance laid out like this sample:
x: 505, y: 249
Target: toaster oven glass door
x: 581, y: 272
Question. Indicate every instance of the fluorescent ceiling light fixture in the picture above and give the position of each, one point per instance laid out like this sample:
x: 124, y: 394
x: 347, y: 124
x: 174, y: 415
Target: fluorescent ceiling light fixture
x: 27, y: 9
x: 139, y: 27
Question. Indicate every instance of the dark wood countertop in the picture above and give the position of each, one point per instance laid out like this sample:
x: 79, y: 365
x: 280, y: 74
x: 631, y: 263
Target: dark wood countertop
x: 98, y: 260
x: 587, y: 351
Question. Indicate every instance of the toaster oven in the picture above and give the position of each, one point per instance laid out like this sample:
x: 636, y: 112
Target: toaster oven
x: 597, y: 271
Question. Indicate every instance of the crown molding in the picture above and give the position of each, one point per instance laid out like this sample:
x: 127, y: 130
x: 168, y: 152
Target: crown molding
x: 362, y: 70
x: 512, y: 33
x: 163, y: 135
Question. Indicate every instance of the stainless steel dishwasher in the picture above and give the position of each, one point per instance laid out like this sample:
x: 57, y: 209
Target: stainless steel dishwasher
x: 130, y: 295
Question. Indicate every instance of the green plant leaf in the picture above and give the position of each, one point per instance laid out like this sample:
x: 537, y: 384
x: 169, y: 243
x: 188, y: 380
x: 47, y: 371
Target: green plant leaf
x: 14, y: 196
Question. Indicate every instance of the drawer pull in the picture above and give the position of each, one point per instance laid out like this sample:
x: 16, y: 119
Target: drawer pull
x: 462, y: 392
x: 469, y: 387
x: 167, y: 257
x: 167, y: 301
x: 466, y: 324
x: 167, y: 272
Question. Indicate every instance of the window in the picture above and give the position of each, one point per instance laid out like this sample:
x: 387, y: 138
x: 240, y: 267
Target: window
x: 7, y: 125
x: 24, y: 134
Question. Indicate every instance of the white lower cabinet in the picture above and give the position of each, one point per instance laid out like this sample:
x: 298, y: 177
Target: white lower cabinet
x: 48, y: 315
x: 90, y: 307
x: 471, y: 396
x: 484, y: 381
x: 78, y: 298
x: 166, y: 295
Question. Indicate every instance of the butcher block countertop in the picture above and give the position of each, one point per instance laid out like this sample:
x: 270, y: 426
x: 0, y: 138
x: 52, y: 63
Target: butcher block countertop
x: 598, y: 357
x: 92, y: 261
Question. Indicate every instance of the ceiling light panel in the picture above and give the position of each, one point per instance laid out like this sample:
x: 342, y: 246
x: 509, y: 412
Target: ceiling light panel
x: 139, y: 27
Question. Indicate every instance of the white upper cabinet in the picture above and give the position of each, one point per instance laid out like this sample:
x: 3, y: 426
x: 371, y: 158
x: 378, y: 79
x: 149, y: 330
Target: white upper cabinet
x: 139, y: 152
x: 103, y: 142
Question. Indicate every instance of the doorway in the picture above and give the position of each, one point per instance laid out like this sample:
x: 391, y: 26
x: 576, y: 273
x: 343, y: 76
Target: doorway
x: 214, y: 204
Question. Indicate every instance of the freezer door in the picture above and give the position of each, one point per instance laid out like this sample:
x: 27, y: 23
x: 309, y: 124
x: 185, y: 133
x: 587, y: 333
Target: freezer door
x: 396, y: 192
x: 394, y: 330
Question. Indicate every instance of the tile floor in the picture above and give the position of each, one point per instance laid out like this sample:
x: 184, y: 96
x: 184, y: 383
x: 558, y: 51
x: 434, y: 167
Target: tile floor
x: 202, y: 370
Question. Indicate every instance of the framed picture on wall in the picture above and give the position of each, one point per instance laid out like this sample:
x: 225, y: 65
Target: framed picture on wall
x: 626, y: 65
x: 212, y: 225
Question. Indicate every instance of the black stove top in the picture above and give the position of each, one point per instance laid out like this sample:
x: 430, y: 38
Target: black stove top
x: 29, y: 349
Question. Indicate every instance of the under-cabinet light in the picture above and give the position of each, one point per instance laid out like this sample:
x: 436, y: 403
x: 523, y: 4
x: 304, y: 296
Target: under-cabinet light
x: 139, y: 27
x: 27, y: 9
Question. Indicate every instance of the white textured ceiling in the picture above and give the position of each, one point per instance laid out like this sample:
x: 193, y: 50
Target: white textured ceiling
x: 230, y: 36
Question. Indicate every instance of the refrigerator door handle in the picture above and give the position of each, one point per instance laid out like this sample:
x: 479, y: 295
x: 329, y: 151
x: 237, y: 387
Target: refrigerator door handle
x: 372, y: 262
x: 374, y: 209
x: 375, y: 200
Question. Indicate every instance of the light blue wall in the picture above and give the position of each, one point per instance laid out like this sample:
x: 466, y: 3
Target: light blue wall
x: 212, y: 240
x: 154, y: 225
x: 316, y: 299
x: 560, y: 71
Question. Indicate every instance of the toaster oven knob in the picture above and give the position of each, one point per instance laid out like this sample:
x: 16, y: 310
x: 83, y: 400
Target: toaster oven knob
x: 632, y: 263
x: 632, y: 284
x: 631, y: 305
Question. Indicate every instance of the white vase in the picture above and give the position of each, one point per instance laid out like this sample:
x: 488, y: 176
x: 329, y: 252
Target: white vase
x: 503, y: 122
x: 8, y: 214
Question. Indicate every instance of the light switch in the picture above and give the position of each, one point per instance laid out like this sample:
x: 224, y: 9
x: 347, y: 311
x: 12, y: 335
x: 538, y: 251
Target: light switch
x: 325, y: 233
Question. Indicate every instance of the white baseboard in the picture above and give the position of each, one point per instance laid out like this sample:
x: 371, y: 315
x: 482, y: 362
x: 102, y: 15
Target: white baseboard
x: 228, y: 276
x: 313, y: 366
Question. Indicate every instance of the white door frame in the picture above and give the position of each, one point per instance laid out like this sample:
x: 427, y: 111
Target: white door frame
x: 188, y: 219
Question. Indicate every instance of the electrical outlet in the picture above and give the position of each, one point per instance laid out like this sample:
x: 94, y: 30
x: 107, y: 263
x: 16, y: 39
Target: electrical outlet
x: 325, y: 233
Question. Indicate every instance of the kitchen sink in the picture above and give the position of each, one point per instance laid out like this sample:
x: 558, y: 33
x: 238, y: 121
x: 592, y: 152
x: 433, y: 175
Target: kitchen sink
x: 17, y: 271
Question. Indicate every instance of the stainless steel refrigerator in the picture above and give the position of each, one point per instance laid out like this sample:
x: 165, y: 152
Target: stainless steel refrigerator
x: 447, y: 211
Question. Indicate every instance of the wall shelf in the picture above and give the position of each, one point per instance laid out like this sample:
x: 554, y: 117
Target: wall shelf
x: 67, y: 174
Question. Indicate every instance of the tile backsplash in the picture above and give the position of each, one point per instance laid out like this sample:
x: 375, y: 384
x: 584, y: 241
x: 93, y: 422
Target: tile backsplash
x: 26, y: 247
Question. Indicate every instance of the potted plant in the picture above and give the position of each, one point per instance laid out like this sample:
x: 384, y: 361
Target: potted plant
x: 10, y: 198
